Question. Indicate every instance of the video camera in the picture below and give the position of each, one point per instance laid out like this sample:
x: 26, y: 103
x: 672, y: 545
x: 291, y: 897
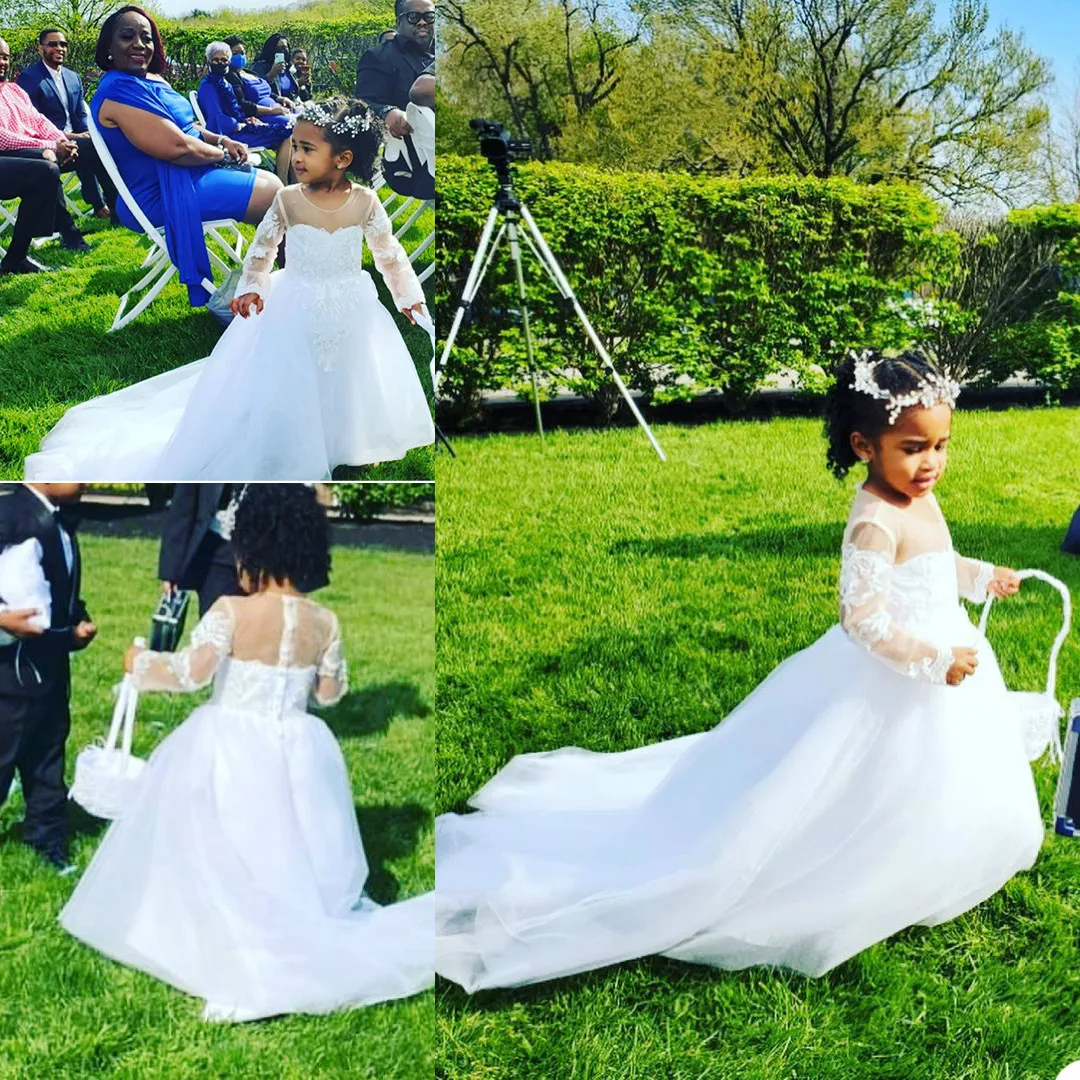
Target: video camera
x: 496, y: 144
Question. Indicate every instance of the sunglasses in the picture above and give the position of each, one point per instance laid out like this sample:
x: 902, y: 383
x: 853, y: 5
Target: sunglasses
x: 414, y: 18
x: 55, y: 44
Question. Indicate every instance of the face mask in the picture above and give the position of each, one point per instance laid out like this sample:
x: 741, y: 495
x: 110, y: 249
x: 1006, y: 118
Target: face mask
x: 219, y: 68
x: 238, y: 61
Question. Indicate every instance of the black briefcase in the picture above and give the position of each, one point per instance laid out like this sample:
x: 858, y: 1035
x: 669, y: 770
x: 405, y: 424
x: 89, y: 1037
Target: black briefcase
x: 1067, y: 797
x: 167, y: 625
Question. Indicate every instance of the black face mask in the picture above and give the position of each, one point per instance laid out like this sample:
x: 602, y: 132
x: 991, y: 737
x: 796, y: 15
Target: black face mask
x: 219, y: 67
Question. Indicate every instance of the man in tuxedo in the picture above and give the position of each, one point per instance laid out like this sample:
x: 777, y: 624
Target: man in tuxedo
x: 196, y: 552
x: 57, y: 93
x: 43, y: 621
x: 385, y: 74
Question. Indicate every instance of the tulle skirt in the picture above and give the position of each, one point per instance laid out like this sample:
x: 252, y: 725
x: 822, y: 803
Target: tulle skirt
x: 236, y: 874
x: 286, y: 395
x: 839, y: 803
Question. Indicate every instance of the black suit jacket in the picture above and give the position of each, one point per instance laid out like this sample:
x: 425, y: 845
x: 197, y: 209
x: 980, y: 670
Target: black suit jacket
x: 187, y: 522
x: 385, y: 74
x: 39, y: 86
x: 34, y: 666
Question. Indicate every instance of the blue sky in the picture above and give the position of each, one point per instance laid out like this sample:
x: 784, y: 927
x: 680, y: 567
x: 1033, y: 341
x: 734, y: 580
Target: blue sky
x: 1050, y: 27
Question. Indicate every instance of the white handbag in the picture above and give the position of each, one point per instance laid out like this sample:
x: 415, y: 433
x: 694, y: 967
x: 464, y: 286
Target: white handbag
x: 105, y: 774
x: 1038, y: 713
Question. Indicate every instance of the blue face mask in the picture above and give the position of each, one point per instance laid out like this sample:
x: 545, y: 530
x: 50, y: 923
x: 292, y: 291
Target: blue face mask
x: 238, y: 61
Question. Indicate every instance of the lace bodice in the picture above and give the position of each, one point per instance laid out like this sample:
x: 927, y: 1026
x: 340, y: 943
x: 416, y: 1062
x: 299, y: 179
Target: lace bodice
x: 900, y: 584
x: 325, y: 247
x: 270, y: 654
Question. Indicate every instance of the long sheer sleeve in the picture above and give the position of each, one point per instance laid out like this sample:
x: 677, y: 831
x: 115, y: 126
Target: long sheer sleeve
x: 866, y: 569
x: 390, y: 258
x: 193, y: 667
x: 332, y: 676
x: 259, y: 261
x: 973, y: 576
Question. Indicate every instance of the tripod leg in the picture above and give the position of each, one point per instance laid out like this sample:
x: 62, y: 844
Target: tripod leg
x: 472, y: 283
x: 441, y: 438
x: 550, y: 264
x: 515, y: 254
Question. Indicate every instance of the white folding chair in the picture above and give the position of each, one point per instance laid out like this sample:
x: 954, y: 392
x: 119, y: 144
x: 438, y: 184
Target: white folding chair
x: 161, y: 267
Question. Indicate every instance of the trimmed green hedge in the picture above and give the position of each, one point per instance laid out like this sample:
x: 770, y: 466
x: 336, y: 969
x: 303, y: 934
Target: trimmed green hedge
x: 1046, y: 343
x: 365, y: 501
x: 690, y: 282
x: 334, y: 45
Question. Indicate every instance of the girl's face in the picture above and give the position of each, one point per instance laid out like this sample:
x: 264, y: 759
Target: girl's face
x: 909, y: 458
x: 132, y: 44
x: 313, y: 158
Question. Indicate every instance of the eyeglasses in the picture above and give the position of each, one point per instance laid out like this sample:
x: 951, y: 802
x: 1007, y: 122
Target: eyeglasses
x: 414, y: 18
x: 55, y: 44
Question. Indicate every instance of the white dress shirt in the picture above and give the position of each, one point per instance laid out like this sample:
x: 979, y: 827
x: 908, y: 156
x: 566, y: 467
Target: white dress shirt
x: 58, y: 78
x: 22, y: 577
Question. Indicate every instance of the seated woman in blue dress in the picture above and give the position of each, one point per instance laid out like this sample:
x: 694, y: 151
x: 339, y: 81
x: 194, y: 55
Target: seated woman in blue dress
x: 223, y: 113
x: 169, y: 164
x: 274, y: 65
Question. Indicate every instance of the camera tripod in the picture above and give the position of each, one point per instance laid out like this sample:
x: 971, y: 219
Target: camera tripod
x: 514, y: 214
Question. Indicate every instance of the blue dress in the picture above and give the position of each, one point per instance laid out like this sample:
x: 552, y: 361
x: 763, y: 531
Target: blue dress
x: 177, y: 197
x: 224, y: 115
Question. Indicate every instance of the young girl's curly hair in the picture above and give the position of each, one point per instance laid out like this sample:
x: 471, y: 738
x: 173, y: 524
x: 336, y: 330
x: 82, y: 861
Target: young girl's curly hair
x: 357, y: 130
x: 281, y: 532
x: 848, y: 410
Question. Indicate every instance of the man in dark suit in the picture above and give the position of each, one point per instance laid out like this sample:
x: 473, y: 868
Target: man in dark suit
x: 196, y: 551
x: 57, y: 92
x: 39, y: 556
x: 385, y: 74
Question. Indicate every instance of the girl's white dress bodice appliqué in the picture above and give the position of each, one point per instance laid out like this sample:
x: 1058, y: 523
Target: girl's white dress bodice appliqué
x: 852, y: 794
x: 237, y: 870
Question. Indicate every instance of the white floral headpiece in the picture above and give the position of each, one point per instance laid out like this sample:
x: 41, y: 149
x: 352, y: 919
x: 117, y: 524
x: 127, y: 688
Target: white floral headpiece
x: 932, y: 389
x: 321, y: 115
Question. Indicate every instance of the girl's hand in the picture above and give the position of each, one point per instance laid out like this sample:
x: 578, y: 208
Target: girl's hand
x: 1005, y: 582
x: 241, y: 305
x: 965, y: 661
x: 408, y: 311
x: 129, y: 657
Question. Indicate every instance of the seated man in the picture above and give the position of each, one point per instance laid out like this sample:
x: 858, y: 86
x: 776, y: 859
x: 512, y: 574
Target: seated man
x: 57, y: 93
x: 303, y: 74
x: 409, y: 163
x: 385, y: 74
x: 32, y: 150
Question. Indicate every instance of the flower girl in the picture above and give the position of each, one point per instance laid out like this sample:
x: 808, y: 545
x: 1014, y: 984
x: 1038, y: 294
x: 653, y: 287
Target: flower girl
x: 312, y: 374
x: 873, y: 781
x: 236, y: 871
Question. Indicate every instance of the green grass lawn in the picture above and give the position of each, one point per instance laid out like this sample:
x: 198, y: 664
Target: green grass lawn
x: 55, y: 349
x: 66, y: 1011
x: 588, y: 594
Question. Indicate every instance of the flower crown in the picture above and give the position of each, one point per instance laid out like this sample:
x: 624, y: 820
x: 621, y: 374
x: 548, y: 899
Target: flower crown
x: 322, y: 116
x: 932, y: 390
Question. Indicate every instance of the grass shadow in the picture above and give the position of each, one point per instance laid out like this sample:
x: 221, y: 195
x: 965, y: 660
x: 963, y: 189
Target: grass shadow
x: 389, y: 832
x: 371, y: 709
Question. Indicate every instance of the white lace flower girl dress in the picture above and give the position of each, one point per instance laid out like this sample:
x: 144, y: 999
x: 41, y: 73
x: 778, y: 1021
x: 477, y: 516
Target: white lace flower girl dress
x: 852, y: 794
x: 236, y: 871
x: 322, y: 377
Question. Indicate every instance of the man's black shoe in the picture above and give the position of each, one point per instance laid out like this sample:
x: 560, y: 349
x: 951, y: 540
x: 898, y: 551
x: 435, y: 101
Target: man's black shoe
x: 74, y: 242
x: 26, y: 266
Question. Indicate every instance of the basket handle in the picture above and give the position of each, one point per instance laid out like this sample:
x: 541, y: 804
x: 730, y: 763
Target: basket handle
x: 122, y: 726
x: 1063, y: 633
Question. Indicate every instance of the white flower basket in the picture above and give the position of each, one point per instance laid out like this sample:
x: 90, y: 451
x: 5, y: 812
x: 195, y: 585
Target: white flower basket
x: 105, y: 774
x: 1038, y: 713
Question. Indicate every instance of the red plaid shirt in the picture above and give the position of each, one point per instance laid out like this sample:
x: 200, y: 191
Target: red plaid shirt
x: 22, y: 127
